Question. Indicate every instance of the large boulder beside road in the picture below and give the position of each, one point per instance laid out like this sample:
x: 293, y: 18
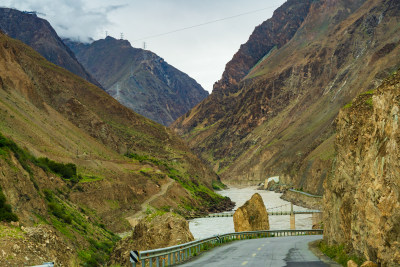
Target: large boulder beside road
x: 252, y: 216
x: 153, y: 231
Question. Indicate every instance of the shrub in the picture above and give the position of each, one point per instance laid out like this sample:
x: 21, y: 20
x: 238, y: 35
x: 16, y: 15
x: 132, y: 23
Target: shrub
x: 6, y: 213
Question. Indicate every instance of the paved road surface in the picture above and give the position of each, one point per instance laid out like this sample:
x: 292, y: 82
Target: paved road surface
x: 290, y: 251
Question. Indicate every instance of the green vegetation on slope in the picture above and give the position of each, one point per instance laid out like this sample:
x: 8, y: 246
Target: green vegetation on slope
x: 339, y: 253
x: 70, y: 220
x: 6, y: 213
x: 66, y: 171
x: 199, y: 191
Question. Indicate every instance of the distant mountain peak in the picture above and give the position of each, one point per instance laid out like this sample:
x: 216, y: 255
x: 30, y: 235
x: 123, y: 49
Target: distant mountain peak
x: 40, y: 35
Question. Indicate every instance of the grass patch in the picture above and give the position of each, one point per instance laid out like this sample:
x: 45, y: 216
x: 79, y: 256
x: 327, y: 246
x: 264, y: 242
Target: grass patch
x: 218, y: 185
x: 339, y: 253
x: 348, y: 105
x: 369, y: 102
x: 89, y: 178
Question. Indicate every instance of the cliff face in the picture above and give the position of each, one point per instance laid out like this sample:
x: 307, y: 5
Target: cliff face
x: 38, y: 34
x: 362, y: 196
x: 139, y: 79
x: 278, y: 120
x: 271, y: 34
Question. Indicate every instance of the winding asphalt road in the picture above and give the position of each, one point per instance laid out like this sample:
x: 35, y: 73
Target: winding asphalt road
x: 290, y: 251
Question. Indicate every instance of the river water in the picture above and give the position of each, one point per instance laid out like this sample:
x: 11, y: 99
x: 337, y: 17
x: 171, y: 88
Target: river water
x: 206, y: 227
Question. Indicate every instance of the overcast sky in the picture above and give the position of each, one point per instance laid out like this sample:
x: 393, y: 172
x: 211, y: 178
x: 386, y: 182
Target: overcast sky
x: 201, y: 52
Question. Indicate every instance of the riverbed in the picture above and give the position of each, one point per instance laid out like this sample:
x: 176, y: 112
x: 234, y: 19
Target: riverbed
x: 206, y: 227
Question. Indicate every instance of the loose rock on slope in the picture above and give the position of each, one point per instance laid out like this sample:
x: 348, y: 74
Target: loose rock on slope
x: 154, y: 231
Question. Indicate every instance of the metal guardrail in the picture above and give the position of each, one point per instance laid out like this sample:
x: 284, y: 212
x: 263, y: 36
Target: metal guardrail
x: 305, y: 193
x: 180, y: 253
x: 270, y: 213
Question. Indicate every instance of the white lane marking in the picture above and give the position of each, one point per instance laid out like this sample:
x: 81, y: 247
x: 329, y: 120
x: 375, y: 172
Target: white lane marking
x: 244, y: 263
x: 259, y: 248
x: 263, y: 245
x: 254, y: 254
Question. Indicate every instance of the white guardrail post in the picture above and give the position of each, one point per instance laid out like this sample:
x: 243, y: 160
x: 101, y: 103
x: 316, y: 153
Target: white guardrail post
x: 179, y: 253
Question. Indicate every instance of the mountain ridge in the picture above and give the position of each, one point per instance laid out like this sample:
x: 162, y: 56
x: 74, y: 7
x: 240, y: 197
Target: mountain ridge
x: 139, y: 79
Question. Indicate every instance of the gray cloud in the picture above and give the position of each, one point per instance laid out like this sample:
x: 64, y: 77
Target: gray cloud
x: 70, y: 18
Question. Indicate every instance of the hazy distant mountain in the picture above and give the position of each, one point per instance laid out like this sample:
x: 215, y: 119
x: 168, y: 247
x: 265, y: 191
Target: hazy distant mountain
x: 139, y: 79
x: 40, y: 35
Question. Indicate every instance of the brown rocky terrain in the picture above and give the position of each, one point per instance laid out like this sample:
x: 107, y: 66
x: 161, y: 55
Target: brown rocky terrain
x: 139, y: 79
x: 38, y: 34
x: 154, y: 231
x: 361, y: 200
x: 119, y: 158
x: 278, y: 120
x: 28, y: 246
x: 252, y: 216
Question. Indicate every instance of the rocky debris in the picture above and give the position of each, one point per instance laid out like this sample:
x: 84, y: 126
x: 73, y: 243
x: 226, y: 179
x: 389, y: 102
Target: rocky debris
x: 33, y: 246
x: 361, y: 200
x: 351, y: 263
x: 153, y: 231
x: 369, y: 264
x: 251, y: 216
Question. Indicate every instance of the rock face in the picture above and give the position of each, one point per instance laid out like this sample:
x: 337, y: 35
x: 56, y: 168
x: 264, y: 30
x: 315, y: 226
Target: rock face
x: 251, y: 216
x: 277, y: 118
x: 361, y: 200
x: 154, y: 231
x: 38, y: 34
x: 139, y: 79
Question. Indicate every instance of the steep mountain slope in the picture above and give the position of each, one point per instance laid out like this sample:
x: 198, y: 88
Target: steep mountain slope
x: 38, y: 34
x: 53, y: 113
x: 139, y: 79
x: 278, y: 120
x: 361, y: 198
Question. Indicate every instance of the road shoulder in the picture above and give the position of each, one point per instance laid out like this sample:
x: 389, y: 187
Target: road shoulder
x: 313, y: 246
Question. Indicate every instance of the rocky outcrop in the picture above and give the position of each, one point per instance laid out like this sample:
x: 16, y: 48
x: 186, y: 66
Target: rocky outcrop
x: 361, y: 200
x: 251, y: 216
x: 38, y: 34
x: 279, y: 118
x: 139, y: 79
x: 153, y: 231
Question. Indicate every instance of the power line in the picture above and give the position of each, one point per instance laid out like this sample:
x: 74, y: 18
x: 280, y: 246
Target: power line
x: 202, y: 24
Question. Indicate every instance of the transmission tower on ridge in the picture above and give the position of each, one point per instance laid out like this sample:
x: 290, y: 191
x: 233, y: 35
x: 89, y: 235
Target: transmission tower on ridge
x: 144, y: 46
x: 122, y: 35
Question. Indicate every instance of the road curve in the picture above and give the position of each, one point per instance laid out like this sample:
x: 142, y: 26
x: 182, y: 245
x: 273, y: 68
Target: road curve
x: 287, y: 251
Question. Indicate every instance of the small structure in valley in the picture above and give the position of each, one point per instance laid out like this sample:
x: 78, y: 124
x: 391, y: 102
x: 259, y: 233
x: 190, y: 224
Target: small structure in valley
x: 251, y: 216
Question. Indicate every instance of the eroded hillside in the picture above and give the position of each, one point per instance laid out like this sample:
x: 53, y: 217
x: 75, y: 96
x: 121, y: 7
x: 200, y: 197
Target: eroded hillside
x: 122, y: 158
x: 278, y: 119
